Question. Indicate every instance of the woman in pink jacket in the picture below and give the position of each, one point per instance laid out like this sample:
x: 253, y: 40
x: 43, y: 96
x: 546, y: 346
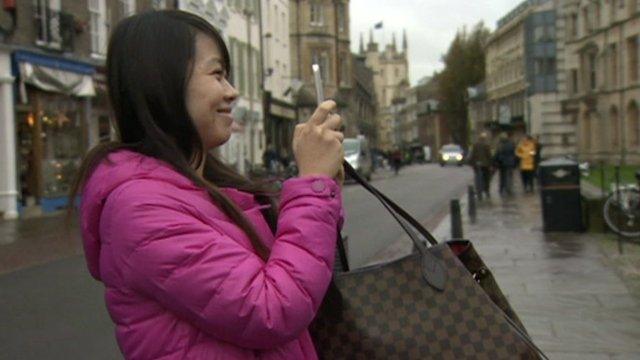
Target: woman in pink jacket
x: 196, y: 260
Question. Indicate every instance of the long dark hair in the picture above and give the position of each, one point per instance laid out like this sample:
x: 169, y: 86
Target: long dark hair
x: 149, y: 63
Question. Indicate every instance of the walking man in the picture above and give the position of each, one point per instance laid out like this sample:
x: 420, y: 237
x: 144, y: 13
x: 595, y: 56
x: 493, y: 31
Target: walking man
x: 480, y: 160
x: 505, y: 160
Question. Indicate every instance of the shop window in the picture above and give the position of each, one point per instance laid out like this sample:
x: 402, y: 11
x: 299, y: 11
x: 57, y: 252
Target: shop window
x: 47, y: 21
x: 104, y: 128
x: 61, y: 151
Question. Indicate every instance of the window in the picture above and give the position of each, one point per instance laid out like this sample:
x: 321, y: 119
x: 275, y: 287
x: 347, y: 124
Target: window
x: 127, y: 7
x: 321, y: 57
x: 98, y: 26
x: 341, y: 17
x: 276, y: 26
x: 284, y: 27
x: 344, y: 70
x: 574, y: 81
x: 317, y: 14
x: 158, y: 4
x: 47, y: 18
x: 574, y: 26
x: 613, y: 58
x: 538, y: 33
x: 632, y: 58
x: 586, y: 25
x: 592, y: 71
x: 633, y: 125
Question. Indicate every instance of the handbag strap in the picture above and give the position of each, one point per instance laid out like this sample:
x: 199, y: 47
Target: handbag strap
x: 388, y: 203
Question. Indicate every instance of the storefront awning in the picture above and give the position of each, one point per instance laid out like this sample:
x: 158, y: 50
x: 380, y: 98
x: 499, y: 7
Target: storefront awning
x: 54, y: 74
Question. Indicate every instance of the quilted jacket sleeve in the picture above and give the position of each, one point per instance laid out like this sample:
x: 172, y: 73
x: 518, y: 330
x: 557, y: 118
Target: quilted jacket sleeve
x: 225, y: 289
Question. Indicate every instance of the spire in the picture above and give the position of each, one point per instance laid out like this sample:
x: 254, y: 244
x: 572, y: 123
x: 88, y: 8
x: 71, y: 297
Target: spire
x: 404, y: 41
x: 370, y: 36
x: 361, y: 45
x: 393, y: 42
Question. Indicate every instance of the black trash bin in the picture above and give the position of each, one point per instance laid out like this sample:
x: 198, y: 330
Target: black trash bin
x: 560, y: 189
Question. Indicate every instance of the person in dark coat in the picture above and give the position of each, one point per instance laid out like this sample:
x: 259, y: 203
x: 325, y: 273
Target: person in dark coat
x: 506, y: 161
x: 480, y: 159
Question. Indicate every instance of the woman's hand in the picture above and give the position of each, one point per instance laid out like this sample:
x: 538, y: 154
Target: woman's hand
x: 317, y: 145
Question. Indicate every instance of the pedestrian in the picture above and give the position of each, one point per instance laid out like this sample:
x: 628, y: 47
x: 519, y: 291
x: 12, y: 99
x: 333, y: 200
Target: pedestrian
x: 526, y: 152
x: 481, y: 160
x: 270, y: 159
x: 537, y: 158
x: 505, y: 160
x: 396, y: 160
x: 196, y: 260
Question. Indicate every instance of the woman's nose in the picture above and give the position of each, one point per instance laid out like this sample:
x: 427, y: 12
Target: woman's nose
x: 231, y: 94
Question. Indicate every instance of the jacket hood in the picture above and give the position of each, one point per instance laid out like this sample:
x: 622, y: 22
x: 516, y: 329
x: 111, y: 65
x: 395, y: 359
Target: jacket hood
x: 116, y: 169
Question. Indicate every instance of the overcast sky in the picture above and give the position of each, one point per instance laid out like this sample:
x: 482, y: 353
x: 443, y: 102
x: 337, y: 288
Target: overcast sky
x: 431, y: 25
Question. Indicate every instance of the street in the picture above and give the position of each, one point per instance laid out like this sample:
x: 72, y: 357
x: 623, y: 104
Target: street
x: 423, y: 190
x: 51, y: 308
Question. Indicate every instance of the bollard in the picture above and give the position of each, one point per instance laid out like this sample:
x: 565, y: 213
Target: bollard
x: 456, y: 220
x: 472, y: 204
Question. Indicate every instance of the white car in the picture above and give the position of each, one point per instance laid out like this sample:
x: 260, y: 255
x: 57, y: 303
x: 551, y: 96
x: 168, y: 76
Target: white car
x: 451, y: 154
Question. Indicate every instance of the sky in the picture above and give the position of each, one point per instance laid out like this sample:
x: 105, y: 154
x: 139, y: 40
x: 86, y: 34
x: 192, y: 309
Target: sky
x: 431, y: 25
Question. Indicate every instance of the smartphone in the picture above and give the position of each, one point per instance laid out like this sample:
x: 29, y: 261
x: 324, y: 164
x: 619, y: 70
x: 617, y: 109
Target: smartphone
x: 317, y: 76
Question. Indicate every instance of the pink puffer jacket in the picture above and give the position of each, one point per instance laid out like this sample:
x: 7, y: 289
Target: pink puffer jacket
x: 183, y: 281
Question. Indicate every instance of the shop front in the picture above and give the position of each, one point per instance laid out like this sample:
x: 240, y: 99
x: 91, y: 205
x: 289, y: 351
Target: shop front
x: 280, y: 123
x: 53, y: 126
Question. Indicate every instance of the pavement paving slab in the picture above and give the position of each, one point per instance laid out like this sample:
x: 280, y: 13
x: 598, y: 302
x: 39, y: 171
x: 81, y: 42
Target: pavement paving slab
x: 572, y: 302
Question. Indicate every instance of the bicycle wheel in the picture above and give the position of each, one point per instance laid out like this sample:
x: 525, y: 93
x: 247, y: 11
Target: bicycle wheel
x: 622, y: 212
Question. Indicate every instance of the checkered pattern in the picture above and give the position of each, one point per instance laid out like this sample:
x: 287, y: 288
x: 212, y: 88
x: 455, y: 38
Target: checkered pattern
x: 390, y: 312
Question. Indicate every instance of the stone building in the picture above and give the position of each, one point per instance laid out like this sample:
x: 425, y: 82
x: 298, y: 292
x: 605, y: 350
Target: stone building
x: 53, y: 95
x: 362, y: 108
x: 390, y: 74
x: 319, y: 33
x: 603, y: 72
x: 525, y: 76
x: 279, y: 110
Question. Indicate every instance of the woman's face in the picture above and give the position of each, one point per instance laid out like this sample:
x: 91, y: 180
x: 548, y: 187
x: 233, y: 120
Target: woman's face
x: 210, y: 97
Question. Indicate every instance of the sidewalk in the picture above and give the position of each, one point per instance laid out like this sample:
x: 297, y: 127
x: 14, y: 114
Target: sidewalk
x: 571, y: 301
x: 35, y: 241
x: 562, y: 285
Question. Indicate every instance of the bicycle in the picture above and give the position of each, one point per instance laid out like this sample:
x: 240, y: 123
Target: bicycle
x: 622, y: 210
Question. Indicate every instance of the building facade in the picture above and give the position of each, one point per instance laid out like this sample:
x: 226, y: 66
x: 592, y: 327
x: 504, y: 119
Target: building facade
x: 53, y: 95
x: 525, y: 81
x: 319, y: 34
x: 603, y: 72
x: 280, y: 112
x: 362, y: 108
x: 390, y: 74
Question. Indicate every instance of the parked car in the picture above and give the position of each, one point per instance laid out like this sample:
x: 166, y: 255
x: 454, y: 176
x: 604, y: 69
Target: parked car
x: 451, y: 154
x: 358, y: 155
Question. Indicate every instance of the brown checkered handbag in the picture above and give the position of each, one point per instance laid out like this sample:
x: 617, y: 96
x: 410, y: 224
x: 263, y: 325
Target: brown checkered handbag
x: 441, y: 302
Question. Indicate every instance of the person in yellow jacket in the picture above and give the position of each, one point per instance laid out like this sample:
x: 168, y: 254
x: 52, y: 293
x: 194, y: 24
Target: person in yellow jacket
x: 526, y: 152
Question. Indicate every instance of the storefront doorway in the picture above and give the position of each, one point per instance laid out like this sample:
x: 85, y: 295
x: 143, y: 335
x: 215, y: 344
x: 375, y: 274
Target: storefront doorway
x: 50, y: 148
